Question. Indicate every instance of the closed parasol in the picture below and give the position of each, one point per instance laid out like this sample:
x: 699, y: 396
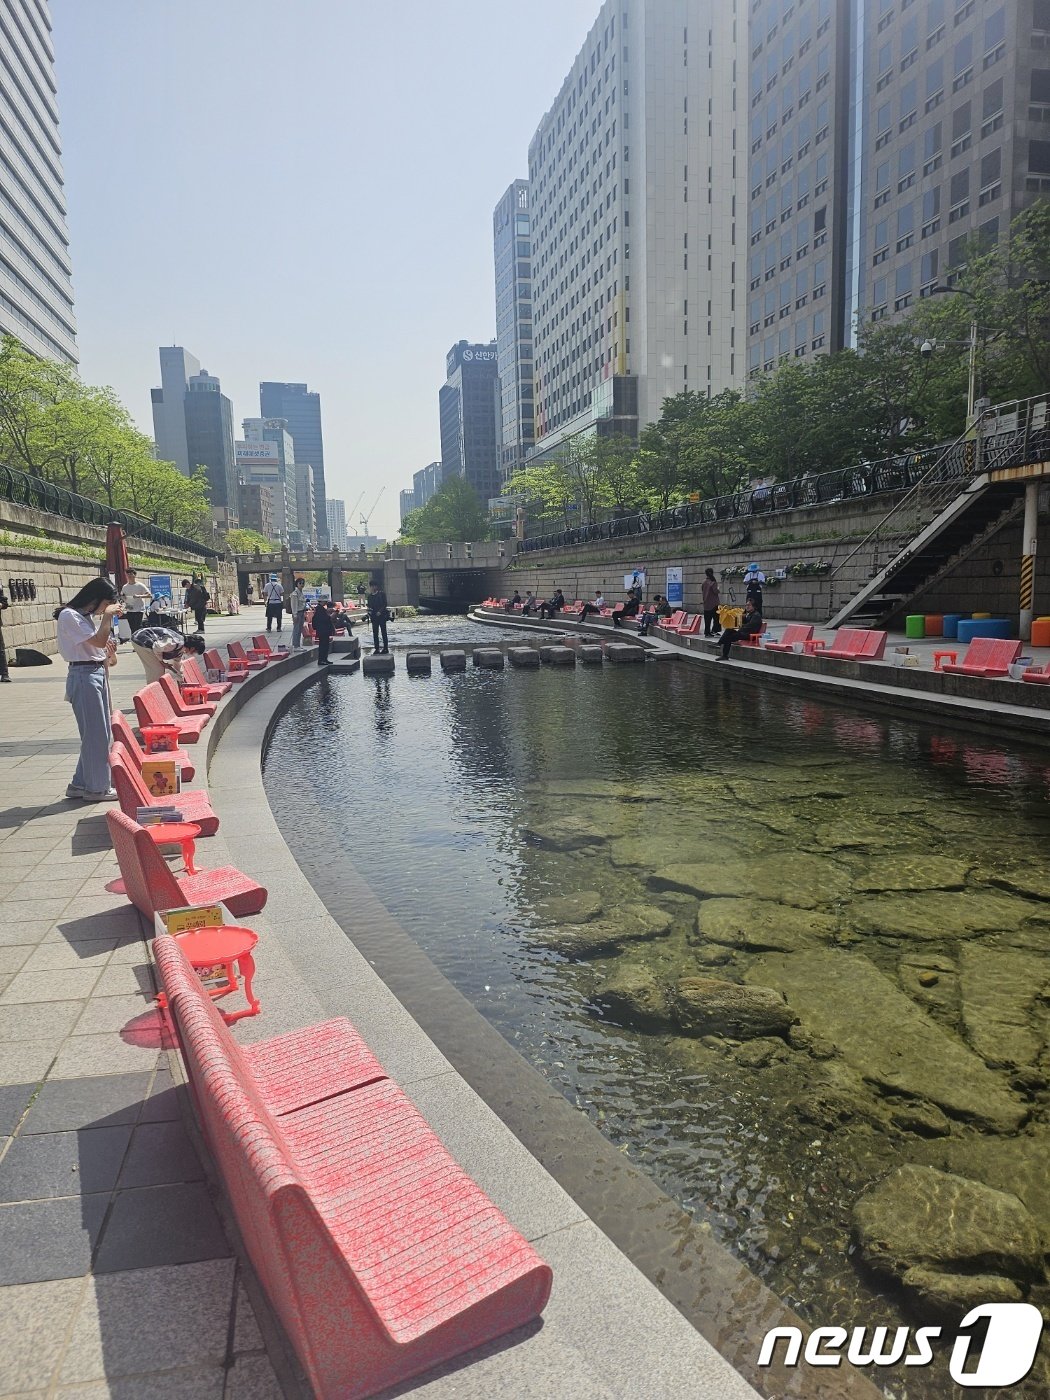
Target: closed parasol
x: 116, y: 555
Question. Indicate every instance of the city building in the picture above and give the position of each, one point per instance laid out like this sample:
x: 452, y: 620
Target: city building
x: 209, y: 443
x: 266, y: 457
x: 257, y: 509
x: 406, y: 504
x: 177, y: 368
x: 336, y: 511
x: 512, y: 256
x: 883, y: 137
x: 426, y: 483
x: 301, y: 411
x: 306, y: 506
x: 36, y: 292
x: 637, y: 231
x: 469, y: 410
x: 354, y: 543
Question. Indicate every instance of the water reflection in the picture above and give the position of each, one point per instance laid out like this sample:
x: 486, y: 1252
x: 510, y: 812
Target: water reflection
x: 582, y: 851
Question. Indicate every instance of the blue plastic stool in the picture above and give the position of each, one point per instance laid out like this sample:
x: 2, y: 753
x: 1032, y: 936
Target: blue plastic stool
x: 985, y: 627
x: 951, y: 623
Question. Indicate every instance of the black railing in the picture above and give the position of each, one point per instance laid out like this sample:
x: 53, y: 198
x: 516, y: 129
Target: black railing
x: 24, y: 490
x: 1015, y: 435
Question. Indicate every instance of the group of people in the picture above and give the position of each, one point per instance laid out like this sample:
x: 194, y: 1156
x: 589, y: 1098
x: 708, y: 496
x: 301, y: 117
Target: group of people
x: 324, y: 618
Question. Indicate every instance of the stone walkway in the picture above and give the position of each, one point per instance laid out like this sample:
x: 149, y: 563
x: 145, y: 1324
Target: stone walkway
x: 116, y: 1277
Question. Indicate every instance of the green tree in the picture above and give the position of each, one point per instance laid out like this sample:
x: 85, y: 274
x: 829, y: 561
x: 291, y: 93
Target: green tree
x: 453, y: 513
x: 247, y: 542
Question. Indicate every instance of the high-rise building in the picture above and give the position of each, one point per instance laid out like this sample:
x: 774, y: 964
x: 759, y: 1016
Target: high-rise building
x: 209, y: 443
x: 257, y: 509
x: 637, y: 238
x: 426, y: 483
x: 883, y: 138
x: 36, y: 293
x: 336, y: 523
x: 406, y: 504
x: 266, y: 457
x: 301, y: 411
x: 177, y: 368
x: 306, y: 506
x: 512, y: 255
x: 469, y: 409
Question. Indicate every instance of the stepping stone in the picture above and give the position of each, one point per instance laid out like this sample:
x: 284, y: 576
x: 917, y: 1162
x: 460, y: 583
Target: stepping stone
x: 488, y: 658
x: 346, y: 666
x: 379, y: 665
x: 453, y: 660
x: 624, y: 652
x: 347, y: 646
x: 590, y: 655
x: 558, y: 656
x: 417, y: 663
x: 525, y: 658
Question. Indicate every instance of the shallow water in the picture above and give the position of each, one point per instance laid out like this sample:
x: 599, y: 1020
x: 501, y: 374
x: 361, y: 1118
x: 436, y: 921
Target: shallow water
x: 886, y: 876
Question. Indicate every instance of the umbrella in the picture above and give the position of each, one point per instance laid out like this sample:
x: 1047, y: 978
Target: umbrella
x: 116, y: 555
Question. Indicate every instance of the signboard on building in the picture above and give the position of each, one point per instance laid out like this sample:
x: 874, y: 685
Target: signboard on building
x: 675, y: 588
x: 250, y: 453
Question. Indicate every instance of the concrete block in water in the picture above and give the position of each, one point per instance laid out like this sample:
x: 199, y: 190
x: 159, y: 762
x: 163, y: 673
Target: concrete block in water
x: 382, y: 665
x: 346, y: 646
x: 453, y: 660
x: 417, y: 663
x: 558, y: 656
x: 488, y: 658
x: 590, y: 655
x: 623, y: 651
x: 345, y: 666
x: 524, y: 657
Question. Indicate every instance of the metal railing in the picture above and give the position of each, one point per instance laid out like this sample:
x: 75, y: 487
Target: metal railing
x: 1015, y: 433
x: 21, y: 489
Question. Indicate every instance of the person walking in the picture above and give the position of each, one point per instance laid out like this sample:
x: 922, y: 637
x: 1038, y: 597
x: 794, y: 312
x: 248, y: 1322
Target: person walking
x: 136, y: 599
x: 749, y: 625
x: 710, y: 598
x: 378, y: 615
x: 297, y: 602
x: 273, y: 597
x: 162, y: 651
x: 86, y: 642
x: 324, y: 627
x: 754, y: 578
x: 197, y: 597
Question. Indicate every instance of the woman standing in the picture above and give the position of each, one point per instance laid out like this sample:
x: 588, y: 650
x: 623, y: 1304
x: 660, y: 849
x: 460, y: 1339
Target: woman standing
x: 84, y: 627
x: 709, y: 594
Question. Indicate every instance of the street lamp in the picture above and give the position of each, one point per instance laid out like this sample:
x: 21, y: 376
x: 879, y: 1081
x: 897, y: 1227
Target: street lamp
x: 928, y: 346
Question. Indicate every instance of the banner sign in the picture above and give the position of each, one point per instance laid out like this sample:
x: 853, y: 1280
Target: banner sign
x: 675, y: 587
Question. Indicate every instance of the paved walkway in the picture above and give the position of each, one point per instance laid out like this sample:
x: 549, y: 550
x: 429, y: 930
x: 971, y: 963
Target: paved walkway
x: 116, y: 1277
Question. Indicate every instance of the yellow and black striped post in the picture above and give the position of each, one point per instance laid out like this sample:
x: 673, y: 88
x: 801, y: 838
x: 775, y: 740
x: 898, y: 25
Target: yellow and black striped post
x: 1027, y: 581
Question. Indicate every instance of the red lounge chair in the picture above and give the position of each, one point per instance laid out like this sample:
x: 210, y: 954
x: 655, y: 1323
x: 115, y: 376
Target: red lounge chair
x: 855, y: 644
x: 793, y: 632
x: 672, y: 623
x: 986, y: 656
x: 124, y: 735
x: 253, y: 662
x: 152, y: 885
x: 259, y: 643
x: 214, y: 662
x: 689, y: 626
x: 153, y: 707
x: 178, y: 704
x: 132, y: 793
x: 1036, y: 675
x: 753, y: 639
x: 195, y: 676
x: 381, y: 1257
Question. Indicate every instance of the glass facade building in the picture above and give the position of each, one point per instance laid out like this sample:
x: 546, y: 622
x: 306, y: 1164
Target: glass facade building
x: 469, y: 406
x: 210, y: 443
x: 36, y: 292
x: 512, y: 254
x: 301, y: 410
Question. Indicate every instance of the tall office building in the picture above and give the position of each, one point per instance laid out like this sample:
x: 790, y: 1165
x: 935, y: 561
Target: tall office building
x: 883, y: 137
x: 36, y: 293
x: 257, y: 509
x: 469, y: 409
x: 406, y: 502
x: 301, y: 410
x: 637, y: 238
x: 336, y: 523
x: 177, y: 368
x: 426, y: 483
x: 209, y: 443
x: 266, y: 457
x: 512, y: 254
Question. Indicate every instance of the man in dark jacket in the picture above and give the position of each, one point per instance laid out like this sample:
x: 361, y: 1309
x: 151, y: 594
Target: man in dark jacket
x: 553, y: 604
x: 750, y: 624
x: 324, y: 625
x: 378, y: 615
x: 197, y: 597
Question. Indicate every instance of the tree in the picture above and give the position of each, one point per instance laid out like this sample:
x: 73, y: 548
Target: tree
x: 546, y: 486
x: 247, y: 542
x: 453, y: 513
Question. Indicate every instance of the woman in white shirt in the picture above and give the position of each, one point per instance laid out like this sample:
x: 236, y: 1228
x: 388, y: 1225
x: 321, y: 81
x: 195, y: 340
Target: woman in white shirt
x: 84, y: 627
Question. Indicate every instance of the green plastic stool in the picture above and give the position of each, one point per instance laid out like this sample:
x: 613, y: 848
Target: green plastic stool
x: 915, y: 625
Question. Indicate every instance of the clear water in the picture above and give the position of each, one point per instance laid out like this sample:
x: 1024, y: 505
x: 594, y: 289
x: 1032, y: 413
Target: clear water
x: 910, y: 852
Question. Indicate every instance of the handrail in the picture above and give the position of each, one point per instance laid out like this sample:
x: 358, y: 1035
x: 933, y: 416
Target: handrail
x: 21, y: 489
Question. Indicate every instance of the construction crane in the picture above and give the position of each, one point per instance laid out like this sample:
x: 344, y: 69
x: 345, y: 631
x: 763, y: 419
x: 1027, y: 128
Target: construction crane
x: 350, y: 512
x: 366, y: 517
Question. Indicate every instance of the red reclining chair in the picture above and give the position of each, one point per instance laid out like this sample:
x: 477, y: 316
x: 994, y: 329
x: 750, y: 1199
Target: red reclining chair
x: 253, y: 662
x: 132, y: 793
x: 178, y: 704
x: 214, y: 662
x: 124, y: 735
x: 153, y: 707
x: 152, y: 885
x: 195, y: 676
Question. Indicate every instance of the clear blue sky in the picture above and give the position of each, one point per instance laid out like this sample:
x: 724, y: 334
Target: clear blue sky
x: 300, y: 191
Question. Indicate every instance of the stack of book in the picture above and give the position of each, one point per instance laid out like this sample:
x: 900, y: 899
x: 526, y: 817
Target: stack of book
x: 157, y: 816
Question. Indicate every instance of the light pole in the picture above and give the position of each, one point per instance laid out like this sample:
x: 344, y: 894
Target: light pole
x: 971, y: 388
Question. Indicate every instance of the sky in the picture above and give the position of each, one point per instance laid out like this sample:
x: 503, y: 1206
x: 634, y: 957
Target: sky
x: 300, y: 191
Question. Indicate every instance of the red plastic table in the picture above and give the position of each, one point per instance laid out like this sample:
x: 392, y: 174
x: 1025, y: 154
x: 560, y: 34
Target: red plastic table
x: 195, y: 694
x: 226, y: 946
x: 814, y: 644
x: 938, y: 657
x: 182, y: 834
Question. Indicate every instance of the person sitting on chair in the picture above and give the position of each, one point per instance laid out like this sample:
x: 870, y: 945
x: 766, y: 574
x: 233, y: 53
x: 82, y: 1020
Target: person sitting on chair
x: 553, y: 604
x: 630, y: 608
x: 595, y: 607
x: 750, y: 625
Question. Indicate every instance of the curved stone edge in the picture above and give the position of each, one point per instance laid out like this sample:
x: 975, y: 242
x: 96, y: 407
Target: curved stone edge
x: 686, y: 1312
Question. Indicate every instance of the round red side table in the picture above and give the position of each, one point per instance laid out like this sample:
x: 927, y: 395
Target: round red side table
x: 223, y: 951
x: 182, y: 834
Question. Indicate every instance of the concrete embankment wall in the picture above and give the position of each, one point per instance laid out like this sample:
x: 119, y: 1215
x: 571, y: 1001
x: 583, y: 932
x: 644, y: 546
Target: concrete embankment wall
x: 57, y: 576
